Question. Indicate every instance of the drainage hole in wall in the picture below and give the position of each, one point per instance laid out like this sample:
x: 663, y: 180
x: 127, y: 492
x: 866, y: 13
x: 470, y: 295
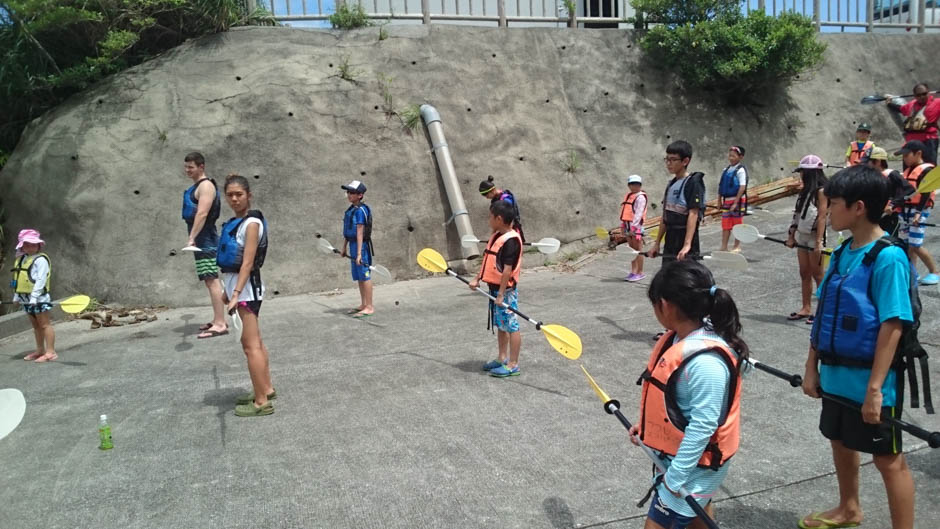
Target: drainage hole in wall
x: 603, y: 148
x: 562, y: 47
x: 290, y: 114
x: 468, y: 109
x: 548, y: 100
x: 817, y: 114
x: 276, y: 292
x: 376, y: 107
x: 331, y: 65
x: 137, y: 191
x: 729, y: 129
x: 642, y: 85
x: 100, y: 101
x: 362, y: 173
x: 74, y: 157
x: 494, y: 55
x: 577, y: 212
x: 668, y: 136
x: 414, y: 63
x: 606, y: 93
x: 257, y: 176
x: 318, y: 236
x: 838, y: 80
x: 411, y: 228
x: 238, y: 78
x: 522, y: 158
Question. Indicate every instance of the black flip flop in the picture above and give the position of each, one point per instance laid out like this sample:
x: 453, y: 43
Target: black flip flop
x: 212, y: 334
x: 205, y: 327
x: 794, y: 316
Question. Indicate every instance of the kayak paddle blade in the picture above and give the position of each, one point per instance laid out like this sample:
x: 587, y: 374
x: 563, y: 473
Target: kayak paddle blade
x: 382, y: 271
x: 547, y: 245
x: 601, y: 233
x: 75, y: 304
x: 871, y: 100
x: 191, y: 249
x: 563, y: 340
x: 324, y: 245
x: 432, y: 261
x: 931, y: 181
x: 468, y: 240
x: 12, y: 409
x: 601, y: 394
x: 745, y: 233
x: 734, y: 261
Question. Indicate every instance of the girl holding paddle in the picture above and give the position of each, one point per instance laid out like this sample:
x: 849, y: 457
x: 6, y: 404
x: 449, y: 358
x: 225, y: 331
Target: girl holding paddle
x: 808, y: 228
x: 690, y: 407
x: 32, y: 271
x: 243, y: 245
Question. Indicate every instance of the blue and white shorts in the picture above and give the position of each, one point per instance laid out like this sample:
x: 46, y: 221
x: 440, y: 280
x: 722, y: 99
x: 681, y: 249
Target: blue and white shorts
x: 665, y: 516
x: 503, y: 318
x: 914, y: 235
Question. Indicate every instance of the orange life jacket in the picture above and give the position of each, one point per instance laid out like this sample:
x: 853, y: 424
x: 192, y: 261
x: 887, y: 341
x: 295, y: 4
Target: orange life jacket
x: 913, y: 175
x: 662, y: 425
x: 626, y: 212
x: 855, y: 157
x: 492, y: 270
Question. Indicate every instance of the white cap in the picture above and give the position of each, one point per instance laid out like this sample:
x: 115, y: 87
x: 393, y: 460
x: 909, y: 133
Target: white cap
x: 103, y: 418
x: 634, y: 179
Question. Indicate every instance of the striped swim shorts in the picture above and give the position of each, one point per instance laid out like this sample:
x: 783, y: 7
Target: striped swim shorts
x: 206, y: 266
x: 914, y: 235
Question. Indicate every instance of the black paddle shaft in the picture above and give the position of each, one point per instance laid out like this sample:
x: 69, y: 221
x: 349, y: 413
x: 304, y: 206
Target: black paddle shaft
x: 613, y: 407
x: 932, y: 438
x: 538, y: 324
x: 803, y: 246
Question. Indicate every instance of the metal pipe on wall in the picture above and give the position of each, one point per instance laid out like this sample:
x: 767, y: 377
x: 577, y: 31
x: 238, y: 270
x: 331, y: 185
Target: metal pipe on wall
x: 432, y: 119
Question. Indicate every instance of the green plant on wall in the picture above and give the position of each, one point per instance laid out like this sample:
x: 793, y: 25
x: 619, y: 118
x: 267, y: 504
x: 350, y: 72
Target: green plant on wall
x: 410, y: 117
x: 711, y: 45
x: 572, y: 162
x: 346, y: 70
x: 350, y: 17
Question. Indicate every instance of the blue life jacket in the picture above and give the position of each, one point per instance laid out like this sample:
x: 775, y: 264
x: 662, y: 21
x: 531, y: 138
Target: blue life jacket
x: 190, y: 204
x: 846, y: 326
x: 230, y: 253
x: 349, y: 226
x: 728, y: 185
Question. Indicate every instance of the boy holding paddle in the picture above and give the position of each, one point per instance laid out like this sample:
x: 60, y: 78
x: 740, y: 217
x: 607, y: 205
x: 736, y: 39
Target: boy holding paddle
x: 917, y: 208
x: 502, y: 262
x: 864, y: 305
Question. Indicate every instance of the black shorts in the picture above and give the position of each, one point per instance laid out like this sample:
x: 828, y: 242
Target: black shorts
x: 675, y: 239
x: 839, y: 423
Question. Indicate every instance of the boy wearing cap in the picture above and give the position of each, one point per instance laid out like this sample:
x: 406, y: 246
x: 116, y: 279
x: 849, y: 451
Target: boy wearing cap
x: 732, y: 195
x: 898, y: 189
x: 632, y: 217
x: 683, y: 205
x: 917, y: 209
x: 860, y: 149
x: 32, y: 271
x: 357, y: 235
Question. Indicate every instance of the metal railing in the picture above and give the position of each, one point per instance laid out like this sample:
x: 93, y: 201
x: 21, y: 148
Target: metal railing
x: 860, y: 15
x: 828, y: 15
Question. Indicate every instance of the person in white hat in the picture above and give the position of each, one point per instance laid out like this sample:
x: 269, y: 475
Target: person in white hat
x: 808, y: 228
x: 357, y: 237
x: 32, y: 271
x: 632, y: 217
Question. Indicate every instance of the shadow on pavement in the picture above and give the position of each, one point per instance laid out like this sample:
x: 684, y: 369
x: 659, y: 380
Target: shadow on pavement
x: 223, y: 399
x: 558, y: 513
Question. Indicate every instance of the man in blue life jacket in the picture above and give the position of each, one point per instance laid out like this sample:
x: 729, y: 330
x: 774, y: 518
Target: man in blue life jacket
x: 357, y: 235
x: 201, y: 205
x: 866, y: 309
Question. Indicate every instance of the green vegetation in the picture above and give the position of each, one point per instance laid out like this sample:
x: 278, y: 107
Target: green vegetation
x: 346, y: 71
x: 410, y: 117
x: 350, y: 17
x: 51, y: 49
x: 572, y: 162
x: 711, y: 45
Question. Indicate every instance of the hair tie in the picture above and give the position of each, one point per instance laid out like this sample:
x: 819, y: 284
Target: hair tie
x: 712, y: 290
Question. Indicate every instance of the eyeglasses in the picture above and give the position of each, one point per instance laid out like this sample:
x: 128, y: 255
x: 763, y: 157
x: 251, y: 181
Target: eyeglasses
x: 668, y: 159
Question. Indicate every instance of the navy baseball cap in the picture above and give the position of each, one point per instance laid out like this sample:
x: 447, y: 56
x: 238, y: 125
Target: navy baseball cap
x: 912, y: 146
x: 355, y: 187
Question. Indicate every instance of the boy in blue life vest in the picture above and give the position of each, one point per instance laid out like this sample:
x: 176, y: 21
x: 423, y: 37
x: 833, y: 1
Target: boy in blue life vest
x: 683, y: 206
x: 732, y: 196
x: 859, y: 150
x: 865, y: 304
x: 357, y: 235
x: 502, y: 262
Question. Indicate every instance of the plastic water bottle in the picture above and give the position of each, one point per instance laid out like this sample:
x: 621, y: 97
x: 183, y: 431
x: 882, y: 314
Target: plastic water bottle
x: 104, y: 433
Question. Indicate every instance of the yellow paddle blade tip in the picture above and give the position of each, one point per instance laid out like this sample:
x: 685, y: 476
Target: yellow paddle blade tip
x: 601, y: 233
x: 597, y: 389
x: 432, y: 261
x: 75, y: 304
x: 563, y: 340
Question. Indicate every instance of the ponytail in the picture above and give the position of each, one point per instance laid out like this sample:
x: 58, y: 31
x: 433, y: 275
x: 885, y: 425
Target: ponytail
x: 707, y: 303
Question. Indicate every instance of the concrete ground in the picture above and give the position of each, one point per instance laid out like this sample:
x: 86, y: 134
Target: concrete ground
x: 389, y: 422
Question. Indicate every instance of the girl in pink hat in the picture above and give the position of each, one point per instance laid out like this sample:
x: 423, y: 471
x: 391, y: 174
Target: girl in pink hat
x: 32, y: 271
x: 808, y: 229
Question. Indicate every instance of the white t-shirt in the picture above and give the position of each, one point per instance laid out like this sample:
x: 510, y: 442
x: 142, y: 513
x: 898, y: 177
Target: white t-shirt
x: 741, y: 175
x: 249, y: 292
x: 38, y: 274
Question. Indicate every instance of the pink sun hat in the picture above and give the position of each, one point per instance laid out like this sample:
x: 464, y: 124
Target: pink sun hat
x: 28, y: 236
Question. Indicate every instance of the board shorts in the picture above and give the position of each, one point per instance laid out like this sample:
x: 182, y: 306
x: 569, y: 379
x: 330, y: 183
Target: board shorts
x: 206, y: 265
x: 914, y: 235
x: 731, y: 218
x: 360, y: 272
x: 636, y: 232
x: 37, y: 308
x: 665, y: 516
x: 839, y: 423
x: 503, y: 318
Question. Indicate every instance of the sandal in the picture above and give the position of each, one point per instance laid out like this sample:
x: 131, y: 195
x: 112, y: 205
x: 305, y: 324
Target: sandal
x: 205, y: 326
x: 353, y: 311
x: 250, y: 410
x: 32, y: 356
x: 248, y: 398
x: 361, y: 314
x: 46, y: 358
x: 823, y: 523
x: 796, y: 316
x: 211, y: 334
x: 810, y: 320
